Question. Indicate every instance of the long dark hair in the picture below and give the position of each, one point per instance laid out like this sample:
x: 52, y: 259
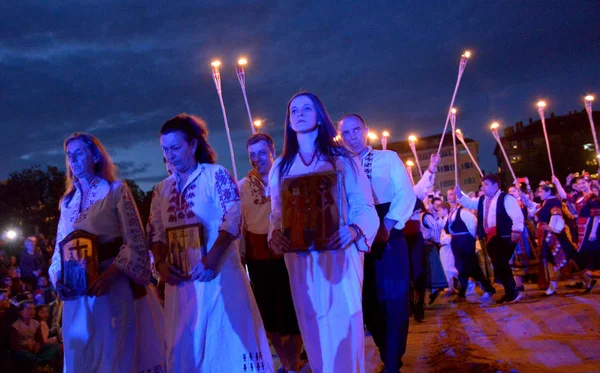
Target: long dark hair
x: 192, y: 128
x: 325, y: 143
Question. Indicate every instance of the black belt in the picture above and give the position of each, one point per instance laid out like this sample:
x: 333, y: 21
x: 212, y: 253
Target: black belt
x: 109, y: 249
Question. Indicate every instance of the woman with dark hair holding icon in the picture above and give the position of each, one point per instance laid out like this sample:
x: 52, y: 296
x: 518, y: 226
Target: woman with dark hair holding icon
x: 326, y: 285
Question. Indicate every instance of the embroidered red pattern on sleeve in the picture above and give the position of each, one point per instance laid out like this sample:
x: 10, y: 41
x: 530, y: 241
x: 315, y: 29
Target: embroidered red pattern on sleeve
x: 226, y: 189
x: 136, y: 264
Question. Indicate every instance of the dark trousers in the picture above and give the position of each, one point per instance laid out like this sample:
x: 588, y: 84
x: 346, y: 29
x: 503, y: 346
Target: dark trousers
x: 500, y: 251
x: 386, y: 298
x: 416, y: 254
x: 465, y: 260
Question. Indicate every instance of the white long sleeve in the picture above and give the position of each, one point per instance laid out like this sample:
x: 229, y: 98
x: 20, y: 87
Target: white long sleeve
x: 423, y: 186
x: 404, y: 198
x: 470, y: 221
x: 514, y: 211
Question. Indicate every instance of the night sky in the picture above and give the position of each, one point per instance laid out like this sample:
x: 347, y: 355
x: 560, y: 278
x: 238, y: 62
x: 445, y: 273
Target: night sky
x: 119, y: 69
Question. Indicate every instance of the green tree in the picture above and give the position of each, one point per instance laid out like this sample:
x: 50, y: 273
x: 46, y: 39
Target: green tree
x: 29, y: 199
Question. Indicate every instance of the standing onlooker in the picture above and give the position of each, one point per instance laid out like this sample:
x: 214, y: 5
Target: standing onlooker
x: 31, y: 262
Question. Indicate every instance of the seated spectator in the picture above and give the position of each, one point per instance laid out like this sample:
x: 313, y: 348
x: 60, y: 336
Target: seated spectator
x: 45, y: 292
x: 30, y: 262
x: 6, y: 319
x: 12, y: 262
x: 6, y: 283
x: 42, y: 314
x: 25, y: 338
x: 17, y: 285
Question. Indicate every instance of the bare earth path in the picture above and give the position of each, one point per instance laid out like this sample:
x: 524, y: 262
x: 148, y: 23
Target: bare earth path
x: 559, y: 334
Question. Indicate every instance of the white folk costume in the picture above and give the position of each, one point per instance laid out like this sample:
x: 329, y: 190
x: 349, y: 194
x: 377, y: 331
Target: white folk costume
x: 327, y: 285
x: 211, y: 326
x: 497, y: 218
x: 462, y: 226
x: 113, y: 332
x: 386, y: 300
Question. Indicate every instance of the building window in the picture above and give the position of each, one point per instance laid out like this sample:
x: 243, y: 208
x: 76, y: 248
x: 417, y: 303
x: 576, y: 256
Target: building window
x: 462, y: 151
x: 446, y: 168
x: 514, y: 145
x: 466, y: 165
x: 515, y: 158
x: 469, y: 180
x: 445, y: 153
x: 446, y: 183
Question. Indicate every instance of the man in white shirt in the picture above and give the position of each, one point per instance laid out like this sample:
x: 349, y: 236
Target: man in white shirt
x: 268, y: 273
x: 500, y: 221
x: 386, y: 269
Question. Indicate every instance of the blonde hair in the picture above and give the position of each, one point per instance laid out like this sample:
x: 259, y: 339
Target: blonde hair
x: 103, y: 164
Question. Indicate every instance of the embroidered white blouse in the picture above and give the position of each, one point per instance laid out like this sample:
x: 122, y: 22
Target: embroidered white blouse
x: 256, y: 204
x: 108, y: 212
x: 390, y: 183
x: 209, y: 197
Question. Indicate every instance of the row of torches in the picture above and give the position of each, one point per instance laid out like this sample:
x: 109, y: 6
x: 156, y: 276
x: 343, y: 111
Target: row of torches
x: 412, y: 139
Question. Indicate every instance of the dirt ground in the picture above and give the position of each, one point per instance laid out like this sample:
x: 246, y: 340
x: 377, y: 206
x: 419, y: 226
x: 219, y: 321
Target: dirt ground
x: 557, y: 334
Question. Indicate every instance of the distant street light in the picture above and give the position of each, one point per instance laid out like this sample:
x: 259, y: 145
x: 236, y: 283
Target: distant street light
x: 11, y: 234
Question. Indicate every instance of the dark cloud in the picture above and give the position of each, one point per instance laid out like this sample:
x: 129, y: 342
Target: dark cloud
x: 119, y: 69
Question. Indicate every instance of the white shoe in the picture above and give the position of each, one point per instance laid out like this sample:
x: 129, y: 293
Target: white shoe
x: 486, y: 296
x: 518, y: 298
x: 471, y: 288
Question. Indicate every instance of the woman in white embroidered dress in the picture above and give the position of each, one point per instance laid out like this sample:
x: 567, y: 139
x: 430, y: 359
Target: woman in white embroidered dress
x: 326, y: 285
x: 211, y: 319
x: 109, y: 330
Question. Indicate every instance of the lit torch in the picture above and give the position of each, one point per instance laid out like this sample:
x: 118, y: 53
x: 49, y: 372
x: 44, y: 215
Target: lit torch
x: 241, y: 74
x: 384, y: 139
x: 257, y: 125
x: 453, y: 123
x: 217, y: 79
x: 588, y: 108
x: 412, y: 139
x: 461, y: 68
x: 409, y: 166
x: 541, y: 105
x: 494, y: 128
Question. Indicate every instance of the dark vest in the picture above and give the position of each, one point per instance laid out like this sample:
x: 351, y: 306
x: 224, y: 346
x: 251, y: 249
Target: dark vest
x: 503, y: 221
x: 458, y: 225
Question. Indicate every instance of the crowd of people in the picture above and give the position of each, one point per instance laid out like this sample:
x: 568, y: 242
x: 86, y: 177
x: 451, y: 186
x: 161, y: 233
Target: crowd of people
x: 390, y: 244
x: 30, y: 311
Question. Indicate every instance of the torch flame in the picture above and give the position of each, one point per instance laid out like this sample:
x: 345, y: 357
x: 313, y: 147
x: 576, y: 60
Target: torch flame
x: 458, y: 131
x: 216, y: 63
x: 337, y: 138
x: 242, y: 61
x: 495, y: 125
x: 541, y: 104
x: 386, y: 134
x: 410, y: 163
x: 372, y: 135
x: 467, y: 54
x: 589, y: 98
x: 258, y: 123
x: 412, y: 138
x: 453, y: 110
